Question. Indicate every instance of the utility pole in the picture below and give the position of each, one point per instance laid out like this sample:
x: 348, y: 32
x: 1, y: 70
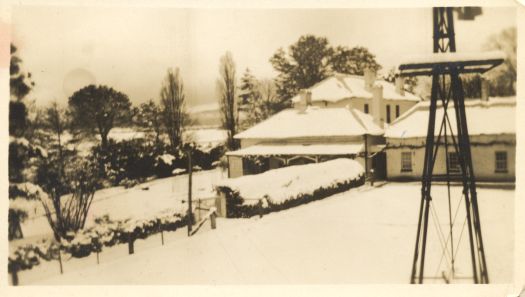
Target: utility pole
x: 190, y: 214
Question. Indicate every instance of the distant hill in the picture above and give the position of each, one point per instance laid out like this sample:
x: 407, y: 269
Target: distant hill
x: 206, y: 114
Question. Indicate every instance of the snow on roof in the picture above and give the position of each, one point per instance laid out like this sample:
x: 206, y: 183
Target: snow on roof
x: 314, y: 122
x: 299, y: 149
x: 288, y: 182
x: 496, y: 116
x: 342, y: 86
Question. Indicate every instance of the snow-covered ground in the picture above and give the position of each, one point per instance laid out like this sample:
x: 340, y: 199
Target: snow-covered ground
x: 143, y: 201
x: 365, y: 235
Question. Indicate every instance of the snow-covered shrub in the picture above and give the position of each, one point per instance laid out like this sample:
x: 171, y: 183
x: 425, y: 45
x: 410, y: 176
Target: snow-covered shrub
x: 22, y: 258
x: 27, y: 256
x: 131, y: 159
x: 23, y: 159
x: 178, y: 171
x: 289, y: 186
x: 23, y: 200
x: 129, y: 183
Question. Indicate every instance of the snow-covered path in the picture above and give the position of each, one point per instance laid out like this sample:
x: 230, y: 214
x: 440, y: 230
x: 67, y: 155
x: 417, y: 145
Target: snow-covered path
x: 365, y: 235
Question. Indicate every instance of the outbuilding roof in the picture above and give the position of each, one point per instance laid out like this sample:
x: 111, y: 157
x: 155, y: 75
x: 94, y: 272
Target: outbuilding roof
x: 495, y: 116
x: 343, y: 86
x: 313, y: 122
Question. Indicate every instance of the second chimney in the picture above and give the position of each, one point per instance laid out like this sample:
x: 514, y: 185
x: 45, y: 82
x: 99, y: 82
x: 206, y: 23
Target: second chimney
x: 304, y: 96
x: 400, y: 85
x: 485, y: 89
x: 377, y: 97
x: 369, y: 77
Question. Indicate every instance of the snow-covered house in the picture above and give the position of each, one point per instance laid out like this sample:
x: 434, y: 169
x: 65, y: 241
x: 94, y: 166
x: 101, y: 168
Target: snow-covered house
x: 385, y: 101
x: 306, y: 134
x: 492, y: 130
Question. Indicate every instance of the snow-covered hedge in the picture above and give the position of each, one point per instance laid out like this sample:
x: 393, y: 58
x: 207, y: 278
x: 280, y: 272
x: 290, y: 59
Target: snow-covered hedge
x: 104, y: 234
x: 110, y: 233
x: 287, y: 187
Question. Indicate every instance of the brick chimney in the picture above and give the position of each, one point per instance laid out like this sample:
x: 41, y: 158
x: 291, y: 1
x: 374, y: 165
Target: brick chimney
x: 305, y: 98
x: 400, y: 85
x: 369, y: 78
x: 377, y: 98
x: 485, y: 89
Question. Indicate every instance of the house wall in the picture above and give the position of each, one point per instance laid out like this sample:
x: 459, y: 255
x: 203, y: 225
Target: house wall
x: 483, y: 157
x: 359, y: 104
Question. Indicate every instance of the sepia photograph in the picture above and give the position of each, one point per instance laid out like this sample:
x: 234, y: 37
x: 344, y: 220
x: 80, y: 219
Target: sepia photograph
x: 170, y: 145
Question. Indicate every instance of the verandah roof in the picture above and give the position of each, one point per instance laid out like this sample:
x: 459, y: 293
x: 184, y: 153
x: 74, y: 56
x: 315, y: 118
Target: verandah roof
x: 299, y: 149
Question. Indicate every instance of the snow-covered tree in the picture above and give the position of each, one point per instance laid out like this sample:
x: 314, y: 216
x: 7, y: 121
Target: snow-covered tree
x: 502, y: 79
x: 23, y: 154
x: 149, y: 117
x: 97, y: 109
x: 410, y: 82
x: 312, y: 59
x: 353, y: 60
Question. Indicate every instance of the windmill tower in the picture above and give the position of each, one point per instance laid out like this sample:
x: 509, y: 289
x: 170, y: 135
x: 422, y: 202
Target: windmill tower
x: 448, y: 131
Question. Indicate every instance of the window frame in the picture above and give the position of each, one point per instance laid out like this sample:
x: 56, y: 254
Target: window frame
x: 408, y: 162
x: 366, y: 108
x: 453, y: 168
x: 505, y: 168
x: 398, y: 111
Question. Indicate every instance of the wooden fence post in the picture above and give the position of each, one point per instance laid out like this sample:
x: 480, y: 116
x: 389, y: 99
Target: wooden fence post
x: 212, y: 220
x: 161, y: 231
x: 14, y: 275
x: 60, y: 260
x: 131, y: 242
x: 260, y: 208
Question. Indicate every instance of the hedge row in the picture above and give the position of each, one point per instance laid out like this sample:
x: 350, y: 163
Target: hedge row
x: 235, y: 207
x: 105, y: 233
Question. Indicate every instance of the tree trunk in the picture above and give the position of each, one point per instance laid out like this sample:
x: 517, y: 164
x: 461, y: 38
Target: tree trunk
x: 104, y: 137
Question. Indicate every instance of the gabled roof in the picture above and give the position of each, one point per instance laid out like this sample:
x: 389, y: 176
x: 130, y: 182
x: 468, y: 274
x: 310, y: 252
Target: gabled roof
x: 343, y: 86
x: 496, y: 116
x: 313, y: 122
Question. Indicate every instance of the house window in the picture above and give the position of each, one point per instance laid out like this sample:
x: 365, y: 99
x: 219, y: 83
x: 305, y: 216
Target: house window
x: 406, y: 162
x: 388, y: 114
x: 453, y: 163
x: 501, y: 162
x: 366, y: 108
x: 397, y: 111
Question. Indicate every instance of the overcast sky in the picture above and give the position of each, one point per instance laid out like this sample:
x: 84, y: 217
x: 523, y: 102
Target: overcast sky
x: 130, y: 49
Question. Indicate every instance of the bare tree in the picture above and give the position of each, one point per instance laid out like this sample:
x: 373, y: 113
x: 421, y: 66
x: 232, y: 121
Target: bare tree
x: 172, y: 100
x: 56, y: 120
x: 226, y: 85
x: 70, y: 194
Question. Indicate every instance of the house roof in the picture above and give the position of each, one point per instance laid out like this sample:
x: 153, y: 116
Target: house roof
x: 313, y: 122
x: 343, y: 86
x: 496, y: 116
